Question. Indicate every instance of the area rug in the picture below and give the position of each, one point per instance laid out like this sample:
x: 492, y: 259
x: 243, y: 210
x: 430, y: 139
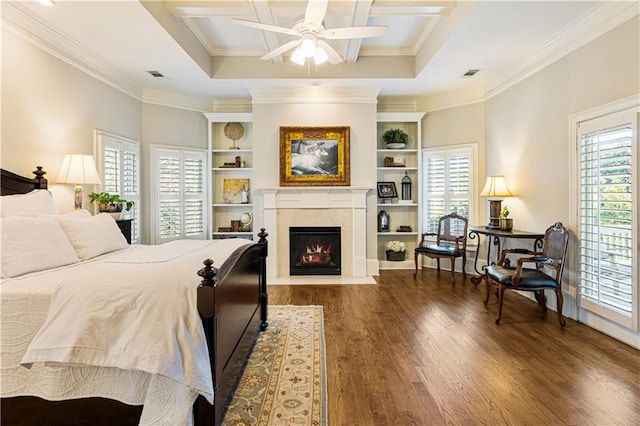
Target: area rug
x: 284, y: 380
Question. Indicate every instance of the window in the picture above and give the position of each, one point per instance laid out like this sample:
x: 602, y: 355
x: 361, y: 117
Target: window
x: 119, y: 167
x: 607, y: 216
x: 179, y: 188
x: 447, y: 183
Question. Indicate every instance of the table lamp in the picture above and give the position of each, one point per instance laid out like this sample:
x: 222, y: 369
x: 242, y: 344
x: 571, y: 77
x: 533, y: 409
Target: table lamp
x: 78, y: 169
x: 495, y: 188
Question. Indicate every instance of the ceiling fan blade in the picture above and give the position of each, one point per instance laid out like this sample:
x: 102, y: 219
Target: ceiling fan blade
x: 280, y: 50
x: 314, y: 15
x: 334, y: 57
x: 265, y: 27
x: 353, y: 32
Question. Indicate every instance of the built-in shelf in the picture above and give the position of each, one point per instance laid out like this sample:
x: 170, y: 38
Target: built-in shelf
x: 409, y: 158
x: 221, y: 153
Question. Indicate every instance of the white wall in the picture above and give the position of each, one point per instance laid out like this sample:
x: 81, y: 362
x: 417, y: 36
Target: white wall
x: 50, y: 108
x: 361, y: 119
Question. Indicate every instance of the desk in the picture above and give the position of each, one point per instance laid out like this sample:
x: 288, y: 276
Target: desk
x: 493, y: 238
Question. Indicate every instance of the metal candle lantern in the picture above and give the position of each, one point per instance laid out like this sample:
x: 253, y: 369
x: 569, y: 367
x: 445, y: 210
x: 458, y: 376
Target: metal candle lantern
x: 406, y: 186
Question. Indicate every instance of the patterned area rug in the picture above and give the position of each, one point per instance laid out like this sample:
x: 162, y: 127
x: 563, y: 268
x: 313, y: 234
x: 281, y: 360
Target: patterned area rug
x: 284, y: 381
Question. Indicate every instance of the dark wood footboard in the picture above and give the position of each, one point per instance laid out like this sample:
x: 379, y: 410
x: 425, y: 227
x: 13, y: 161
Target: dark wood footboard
x: 232, y: 302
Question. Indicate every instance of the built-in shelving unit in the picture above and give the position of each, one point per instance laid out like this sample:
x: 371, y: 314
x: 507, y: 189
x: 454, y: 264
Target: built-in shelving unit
x: 406, y: 161
x: 227, y: 206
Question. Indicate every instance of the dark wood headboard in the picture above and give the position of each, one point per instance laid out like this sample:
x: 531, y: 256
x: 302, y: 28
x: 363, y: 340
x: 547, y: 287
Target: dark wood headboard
x: 12, y: 183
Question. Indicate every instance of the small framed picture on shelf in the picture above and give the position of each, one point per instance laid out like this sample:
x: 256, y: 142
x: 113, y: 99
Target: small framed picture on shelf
x: 235, y: 191
x: 387, y: 190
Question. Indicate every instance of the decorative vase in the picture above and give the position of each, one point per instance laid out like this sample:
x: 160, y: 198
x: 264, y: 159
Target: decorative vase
x: 396, y: 256
x: 506, y: 224
x: 383, y: 221
x: 115, y: 210
x: 396, y: 145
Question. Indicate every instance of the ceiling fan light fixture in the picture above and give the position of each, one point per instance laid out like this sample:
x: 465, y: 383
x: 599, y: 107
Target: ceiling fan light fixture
x: 308, y: 47
x: 298, y: 57
x: 320, y: 56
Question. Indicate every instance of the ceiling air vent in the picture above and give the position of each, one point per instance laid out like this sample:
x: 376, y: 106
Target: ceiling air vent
x: 470, y: 73
x: 156, y: 74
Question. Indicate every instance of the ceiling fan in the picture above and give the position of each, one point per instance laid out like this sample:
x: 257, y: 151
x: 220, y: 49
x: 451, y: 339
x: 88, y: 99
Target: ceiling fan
x: 311, y: 31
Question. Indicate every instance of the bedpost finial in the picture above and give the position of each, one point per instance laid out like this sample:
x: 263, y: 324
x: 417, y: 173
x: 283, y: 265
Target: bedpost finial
x: 263, y: 235
x: 39, y: 172
x: 208, y: 273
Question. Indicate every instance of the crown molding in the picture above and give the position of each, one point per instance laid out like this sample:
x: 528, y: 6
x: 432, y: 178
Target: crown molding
x: 397, y: 104
x: 310, y: 95
x: 452, y: 99
x: 199, y: 35
x: 17, y: 19
x: 176, y: 100
x: 232, y: 105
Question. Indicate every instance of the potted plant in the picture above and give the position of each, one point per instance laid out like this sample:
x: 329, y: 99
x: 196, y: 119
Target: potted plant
x: 506, y: 223
x: 395, y: 138
x: 396, y: 250
x: 111, y: 203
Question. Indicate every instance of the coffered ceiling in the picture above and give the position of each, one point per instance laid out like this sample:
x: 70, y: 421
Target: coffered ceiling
x: 204, y: 55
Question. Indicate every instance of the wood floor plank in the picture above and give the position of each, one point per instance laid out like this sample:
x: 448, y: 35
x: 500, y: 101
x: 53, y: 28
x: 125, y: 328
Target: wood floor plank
x: 421, y: 352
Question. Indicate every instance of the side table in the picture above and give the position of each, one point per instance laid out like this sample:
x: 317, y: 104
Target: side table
x: 125, y: 228
x: 493, y: 238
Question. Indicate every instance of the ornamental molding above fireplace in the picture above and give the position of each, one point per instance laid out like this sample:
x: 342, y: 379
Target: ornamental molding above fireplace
x: 345, y: 207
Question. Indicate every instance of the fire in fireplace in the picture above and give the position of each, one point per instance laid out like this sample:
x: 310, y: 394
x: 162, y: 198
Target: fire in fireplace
x: 314, y: 250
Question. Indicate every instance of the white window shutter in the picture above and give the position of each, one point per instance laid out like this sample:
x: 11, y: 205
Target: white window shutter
x: 119, y: 165
x: 607, y: 180
x: 180, y: 194
x: 447, y: 174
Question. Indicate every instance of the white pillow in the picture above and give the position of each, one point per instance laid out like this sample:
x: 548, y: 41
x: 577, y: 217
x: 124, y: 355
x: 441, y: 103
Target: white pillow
x: 79, y: 214
x: 32, y: 244
x: 36, y: 202
x: 93, y: 236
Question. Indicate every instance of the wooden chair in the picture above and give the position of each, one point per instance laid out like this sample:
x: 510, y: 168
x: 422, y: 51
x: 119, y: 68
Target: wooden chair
x: 537, y: 280
x: 451, y: 242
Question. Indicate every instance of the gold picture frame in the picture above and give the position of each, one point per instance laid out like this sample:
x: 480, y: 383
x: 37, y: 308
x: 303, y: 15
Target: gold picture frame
x: 314, y: 156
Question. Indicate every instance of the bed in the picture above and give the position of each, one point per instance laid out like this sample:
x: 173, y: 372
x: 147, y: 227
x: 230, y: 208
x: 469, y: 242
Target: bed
x: 196, y: 329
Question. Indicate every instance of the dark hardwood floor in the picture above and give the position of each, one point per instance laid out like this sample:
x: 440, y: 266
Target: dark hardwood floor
x: 419, y: 352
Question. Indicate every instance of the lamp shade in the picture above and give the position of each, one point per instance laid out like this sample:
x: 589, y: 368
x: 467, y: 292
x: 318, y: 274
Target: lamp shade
x: 78, y: 169
x: 495, y: 187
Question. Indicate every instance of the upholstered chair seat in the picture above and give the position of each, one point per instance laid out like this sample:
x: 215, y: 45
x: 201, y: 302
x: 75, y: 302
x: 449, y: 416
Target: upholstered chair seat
x: 528, y: 278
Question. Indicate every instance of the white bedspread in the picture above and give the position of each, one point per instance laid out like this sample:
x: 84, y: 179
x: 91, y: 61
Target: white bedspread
x: 123, y: 327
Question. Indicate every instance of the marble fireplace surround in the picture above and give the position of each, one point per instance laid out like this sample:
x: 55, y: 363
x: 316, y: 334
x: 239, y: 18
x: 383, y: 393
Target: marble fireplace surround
x: 317, y: 206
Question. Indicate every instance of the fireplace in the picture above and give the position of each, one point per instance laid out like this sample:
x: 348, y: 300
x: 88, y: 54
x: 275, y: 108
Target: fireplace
x: 314, y: 250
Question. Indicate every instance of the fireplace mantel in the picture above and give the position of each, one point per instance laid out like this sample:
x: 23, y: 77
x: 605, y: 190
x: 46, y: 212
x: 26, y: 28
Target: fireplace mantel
x: 345, y: 207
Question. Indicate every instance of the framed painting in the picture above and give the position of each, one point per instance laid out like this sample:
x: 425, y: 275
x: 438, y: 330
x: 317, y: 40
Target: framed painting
x: 314, y: 156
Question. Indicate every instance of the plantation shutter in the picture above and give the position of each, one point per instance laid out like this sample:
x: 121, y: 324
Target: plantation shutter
x: 608, y: 180
x: 119, y: 165
x: 194, y: 195
x: 447, y: 184
x: 180, y: 194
